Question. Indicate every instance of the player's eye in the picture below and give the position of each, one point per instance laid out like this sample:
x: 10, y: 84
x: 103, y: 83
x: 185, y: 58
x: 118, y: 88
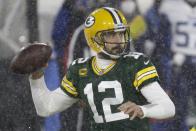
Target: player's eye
x: 113, y: 34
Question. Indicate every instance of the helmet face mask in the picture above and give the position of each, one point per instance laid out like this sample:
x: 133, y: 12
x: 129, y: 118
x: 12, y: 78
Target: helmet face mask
x: 114, y: 42
x: 107, y: 33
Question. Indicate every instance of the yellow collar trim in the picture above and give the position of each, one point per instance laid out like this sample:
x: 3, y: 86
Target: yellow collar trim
x: 100, y: 71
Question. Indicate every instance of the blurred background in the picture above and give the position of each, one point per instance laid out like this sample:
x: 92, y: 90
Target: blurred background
x: 165, y: 30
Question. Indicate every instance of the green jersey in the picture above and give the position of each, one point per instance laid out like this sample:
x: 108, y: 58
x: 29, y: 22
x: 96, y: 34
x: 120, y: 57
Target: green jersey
x: 105, y: 90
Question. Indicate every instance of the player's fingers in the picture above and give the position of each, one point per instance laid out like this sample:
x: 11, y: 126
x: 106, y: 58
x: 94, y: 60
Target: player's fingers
x: 134, y: 115
x: 126, y: 105
x: 130, y: 110
x: 124, y: 109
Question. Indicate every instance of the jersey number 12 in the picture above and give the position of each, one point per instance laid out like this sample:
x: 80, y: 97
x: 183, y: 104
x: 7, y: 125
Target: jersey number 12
x: 106, y: 102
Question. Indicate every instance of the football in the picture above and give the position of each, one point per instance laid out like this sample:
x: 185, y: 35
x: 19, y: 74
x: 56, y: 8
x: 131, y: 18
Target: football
x: 31, y: 58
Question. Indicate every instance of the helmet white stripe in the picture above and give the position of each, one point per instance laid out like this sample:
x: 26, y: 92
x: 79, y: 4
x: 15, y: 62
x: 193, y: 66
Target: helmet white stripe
x: 116, y: 16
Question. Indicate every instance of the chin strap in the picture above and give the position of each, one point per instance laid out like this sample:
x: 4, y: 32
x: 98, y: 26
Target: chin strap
x: 105, y: 55
x: 110, y: 55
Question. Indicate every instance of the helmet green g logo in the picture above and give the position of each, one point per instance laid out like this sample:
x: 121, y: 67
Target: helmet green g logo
x: 89, y: 21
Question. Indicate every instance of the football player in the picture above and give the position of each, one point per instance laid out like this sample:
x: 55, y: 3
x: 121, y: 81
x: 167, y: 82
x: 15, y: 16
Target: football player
x: 121, y: 89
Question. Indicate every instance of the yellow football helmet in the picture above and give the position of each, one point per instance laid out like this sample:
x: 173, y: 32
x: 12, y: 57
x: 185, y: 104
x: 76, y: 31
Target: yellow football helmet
x: 103, y: 21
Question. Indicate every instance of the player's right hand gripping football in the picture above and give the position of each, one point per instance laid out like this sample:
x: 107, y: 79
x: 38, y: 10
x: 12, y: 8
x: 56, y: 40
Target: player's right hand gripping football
x: 39, y: 73
x: 31, y: 59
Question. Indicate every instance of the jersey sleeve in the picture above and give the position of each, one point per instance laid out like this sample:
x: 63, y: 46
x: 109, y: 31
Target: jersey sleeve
x: 145, y: 74
x: 68, y: 84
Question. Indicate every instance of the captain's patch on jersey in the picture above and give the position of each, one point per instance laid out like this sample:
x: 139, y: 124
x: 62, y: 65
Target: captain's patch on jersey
x: 83, y: 72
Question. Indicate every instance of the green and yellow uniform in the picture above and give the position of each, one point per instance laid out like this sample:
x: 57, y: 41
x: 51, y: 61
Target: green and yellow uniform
x: 105, y: 90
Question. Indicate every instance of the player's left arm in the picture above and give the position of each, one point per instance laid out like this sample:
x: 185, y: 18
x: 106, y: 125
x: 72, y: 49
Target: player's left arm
x: 160, y: 105
x: 146, y: 80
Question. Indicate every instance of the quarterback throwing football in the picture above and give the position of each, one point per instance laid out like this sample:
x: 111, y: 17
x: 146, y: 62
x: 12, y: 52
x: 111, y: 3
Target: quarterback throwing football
x: 121, y: 89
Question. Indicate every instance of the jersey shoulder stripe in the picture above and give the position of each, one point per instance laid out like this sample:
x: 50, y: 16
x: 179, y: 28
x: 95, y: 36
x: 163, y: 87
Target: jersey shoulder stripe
x: 68, y: 87
x: 145, y: 71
